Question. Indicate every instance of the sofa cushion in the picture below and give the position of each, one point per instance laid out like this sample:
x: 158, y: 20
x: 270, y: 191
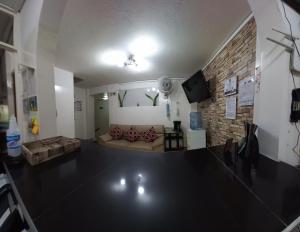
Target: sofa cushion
x: 140, y: 145
x: 132, y: 135
x: 105, y: 138
x: 119, y: 143
x: 158, y: 142
x: 157, y: 128
x: 140, y: 128
x: 149, y: 135
x: 116, y: 133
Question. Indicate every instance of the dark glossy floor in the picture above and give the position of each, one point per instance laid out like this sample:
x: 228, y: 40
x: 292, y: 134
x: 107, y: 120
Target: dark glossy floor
x: 183, y: 191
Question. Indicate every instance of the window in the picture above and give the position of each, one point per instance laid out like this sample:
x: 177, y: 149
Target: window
x: 7, y: 30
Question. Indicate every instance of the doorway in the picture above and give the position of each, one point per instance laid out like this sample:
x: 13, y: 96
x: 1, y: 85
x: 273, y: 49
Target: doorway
x: 101, y: 114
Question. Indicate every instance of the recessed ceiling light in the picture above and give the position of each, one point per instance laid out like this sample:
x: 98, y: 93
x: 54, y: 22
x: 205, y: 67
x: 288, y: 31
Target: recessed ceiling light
x: 114, y: 57
x: 144, y: 46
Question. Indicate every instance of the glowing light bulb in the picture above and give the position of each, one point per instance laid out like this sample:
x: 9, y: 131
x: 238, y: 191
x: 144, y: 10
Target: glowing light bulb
x: 141, y: 190
x: 122, y: 181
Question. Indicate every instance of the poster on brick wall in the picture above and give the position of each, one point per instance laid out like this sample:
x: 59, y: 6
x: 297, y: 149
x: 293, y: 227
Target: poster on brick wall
x: 230, y: 107
x: 230, y: 86
x: 246, y: 91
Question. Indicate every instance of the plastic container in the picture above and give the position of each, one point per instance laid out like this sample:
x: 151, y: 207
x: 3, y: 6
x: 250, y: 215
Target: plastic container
x: 195, y: 120
x: 13, y: 138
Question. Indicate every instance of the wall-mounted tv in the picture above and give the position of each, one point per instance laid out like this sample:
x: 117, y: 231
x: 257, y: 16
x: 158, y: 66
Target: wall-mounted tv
x: 295, y: 4
x: 196, y: 88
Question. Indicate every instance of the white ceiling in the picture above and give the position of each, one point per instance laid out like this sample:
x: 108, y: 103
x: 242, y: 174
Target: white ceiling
x: 13, y: 4
x: 188, y: 31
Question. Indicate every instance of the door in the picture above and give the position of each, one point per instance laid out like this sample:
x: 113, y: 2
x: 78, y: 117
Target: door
x: 80, y: 113
x: 101, y: 115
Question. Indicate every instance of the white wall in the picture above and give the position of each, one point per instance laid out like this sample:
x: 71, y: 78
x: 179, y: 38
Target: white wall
x: 37, y: 49
x: 26, y: 36
x: 147, y: 115
x: 36, y: 43
x: 64, y: 96
x: 80, y: 116
x: 45, y: 83
x: 272, y: 103
x: 90, y: 112
x: 29, y: 25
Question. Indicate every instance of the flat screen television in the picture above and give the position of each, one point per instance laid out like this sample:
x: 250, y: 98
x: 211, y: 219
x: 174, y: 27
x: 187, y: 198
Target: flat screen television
x: 295, y: 4
x: 196, y: 88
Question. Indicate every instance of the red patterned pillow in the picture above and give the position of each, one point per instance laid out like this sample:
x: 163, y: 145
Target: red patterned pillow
x: 132, y: 135
x: 116, y: 133
x: 150, y: 135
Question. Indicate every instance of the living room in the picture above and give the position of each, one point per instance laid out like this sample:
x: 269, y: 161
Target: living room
x: 149, y: 115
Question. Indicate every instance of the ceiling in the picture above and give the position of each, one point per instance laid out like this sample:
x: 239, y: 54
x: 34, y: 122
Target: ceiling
x: 188, y: 33
x: 13, y: 4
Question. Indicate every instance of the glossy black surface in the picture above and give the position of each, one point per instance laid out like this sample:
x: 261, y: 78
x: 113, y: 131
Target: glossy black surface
x: 277, y: 184
x: 184, y: 191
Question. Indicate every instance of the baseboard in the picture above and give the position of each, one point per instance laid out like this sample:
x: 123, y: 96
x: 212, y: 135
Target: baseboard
x: 270, y: 157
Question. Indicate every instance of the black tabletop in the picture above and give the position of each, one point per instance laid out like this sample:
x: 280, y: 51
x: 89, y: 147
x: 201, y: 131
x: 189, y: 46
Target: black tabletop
x: 99, y: 189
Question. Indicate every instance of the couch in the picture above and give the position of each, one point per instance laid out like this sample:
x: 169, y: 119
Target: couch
x: 157, y: 145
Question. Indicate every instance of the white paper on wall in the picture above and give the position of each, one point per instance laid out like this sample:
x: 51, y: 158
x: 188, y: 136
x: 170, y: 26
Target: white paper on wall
x: 246, y: 91
x: 231, y: 107
x: 230, y: 86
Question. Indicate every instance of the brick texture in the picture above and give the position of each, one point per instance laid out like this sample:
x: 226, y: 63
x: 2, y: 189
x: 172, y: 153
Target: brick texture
x: 236, y: 58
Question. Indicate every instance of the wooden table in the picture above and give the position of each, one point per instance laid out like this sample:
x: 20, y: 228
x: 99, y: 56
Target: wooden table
x: 173, y: 135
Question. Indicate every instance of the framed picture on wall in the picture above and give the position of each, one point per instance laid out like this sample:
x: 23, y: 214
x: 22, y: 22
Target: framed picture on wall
x: 230, y: 86
x: 33, y: 106
x: 77, y: 106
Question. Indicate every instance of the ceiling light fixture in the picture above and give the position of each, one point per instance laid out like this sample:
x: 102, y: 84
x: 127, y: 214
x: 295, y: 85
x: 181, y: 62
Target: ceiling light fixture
x: 137, y: 64
x: 105, y: 97
x: 57, y: 88
x: 141, y: 47
x: 130, y: 62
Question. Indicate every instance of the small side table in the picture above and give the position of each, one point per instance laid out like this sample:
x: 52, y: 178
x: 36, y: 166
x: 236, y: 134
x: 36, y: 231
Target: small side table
x: 173, y: 139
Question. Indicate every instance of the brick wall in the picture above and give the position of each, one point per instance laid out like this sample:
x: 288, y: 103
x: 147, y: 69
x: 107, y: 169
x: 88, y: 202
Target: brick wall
x: 238, y: 58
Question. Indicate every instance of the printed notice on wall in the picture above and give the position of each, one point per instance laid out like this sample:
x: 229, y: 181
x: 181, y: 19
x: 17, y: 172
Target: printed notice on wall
x: 77, y: 106
x: 230, y: 86
x: 231, y: 107
x: 246, y: 91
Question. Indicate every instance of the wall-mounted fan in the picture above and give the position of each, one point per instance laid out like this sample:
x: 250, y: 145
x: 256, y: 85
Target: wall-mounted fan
x: 165, y: 85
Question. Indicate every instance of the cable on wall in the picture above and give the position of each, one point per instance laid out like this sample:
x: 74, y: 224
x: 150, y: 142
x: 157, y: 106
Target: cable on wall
x: 290, y: 25
x: 294, y: 149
